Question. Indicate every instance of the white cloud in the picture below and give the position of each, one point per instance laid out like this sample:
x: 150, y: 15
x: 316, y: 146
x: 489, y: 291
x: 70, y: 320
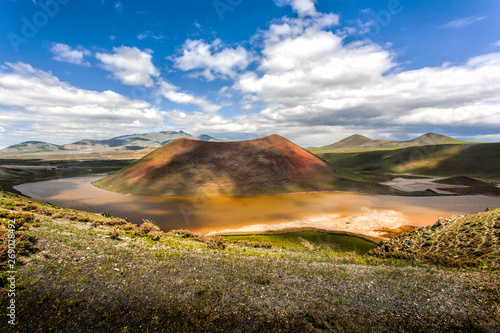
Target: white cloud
x: 50, y: 108
x: 150, y: 34
x: 65, y: 53
x: 301, y: 7
x: 463, y: 22
x: 213, y: 60
x: 482, y: 138
x: 308, y: 77
x: 170, y: 92
x: 291, y: 27
x: 496, y: 44
x: 130, y: 65
x: 314, y: 88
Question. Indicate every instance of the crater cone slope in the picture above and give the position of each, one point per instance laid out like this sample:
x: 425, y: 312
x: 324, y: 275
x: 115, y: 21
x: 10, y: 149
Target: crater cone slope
x: 271, y: 164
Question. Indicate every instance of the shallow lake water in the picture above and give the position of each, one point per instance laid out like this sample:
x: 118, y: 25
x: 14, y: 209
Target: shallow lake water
x: 218, y: 212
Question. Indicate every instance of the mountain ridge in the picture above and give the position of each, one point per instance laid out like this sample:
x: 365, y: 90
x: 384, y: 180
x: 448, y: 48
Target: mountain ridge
x: 125, y: 142
x: 361, y: 142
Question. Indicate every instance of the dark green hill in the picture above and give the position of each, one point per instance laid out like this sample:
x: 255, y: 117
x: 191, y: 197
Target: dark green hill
x: 474, y: 160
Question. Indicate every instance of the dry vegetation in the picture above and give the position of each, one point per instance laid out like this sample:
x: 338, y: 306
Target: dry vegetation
x: 470, y: 240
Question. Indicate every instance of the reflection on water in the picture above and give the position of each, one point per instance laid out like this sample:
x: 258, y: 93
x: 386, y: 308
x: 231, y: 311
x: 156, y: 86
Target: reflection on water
x: 208, y: 213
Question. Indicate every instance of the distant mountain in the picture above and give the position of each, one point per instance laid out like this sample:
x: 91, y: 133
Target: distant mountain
x: 205, y: 137
x: 129, y: 142
x: 124, y: 142
x: 268, y: 165
x: 359, y: 142
x: 31, y: 146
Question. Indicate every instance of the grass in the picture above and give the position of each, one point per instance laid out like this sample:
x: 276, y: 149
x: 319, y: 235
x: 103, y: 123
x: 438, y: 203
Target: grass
x: 81, y: 279
x: 298, y: 241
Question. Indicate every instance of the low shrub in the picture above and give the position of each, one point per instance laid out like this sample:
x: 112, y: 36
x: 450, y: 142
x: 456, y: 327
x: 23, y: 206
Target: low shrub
x: 127, y: 226
x: 115, y: 234
x: 155, y: 235
x: 213, y: 242
x: 24, y: 245
x: 148, y: 226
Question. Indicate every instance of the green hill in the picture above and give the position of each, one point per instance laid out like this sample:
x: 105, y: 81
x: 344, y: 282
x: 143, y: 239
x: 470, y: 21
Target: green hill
x: 473, y: 160
x: 31, y: 146
x: 470, y: 240
x: 362, y: 143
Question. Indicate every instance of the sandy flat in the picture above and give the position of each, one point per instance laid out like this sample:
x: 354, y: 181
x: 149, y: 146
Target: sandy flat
x: 420, y: 184
x: 370, y: 223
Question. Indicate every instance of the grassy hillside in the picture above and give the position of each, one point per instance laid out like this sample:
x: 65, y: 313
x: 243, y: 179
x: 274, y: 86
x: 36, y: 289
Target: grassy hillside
x: 475, y: 160
x: 358, y: 143
x: 471, y: 240
x: 268, y: 165
x: 84, y: 272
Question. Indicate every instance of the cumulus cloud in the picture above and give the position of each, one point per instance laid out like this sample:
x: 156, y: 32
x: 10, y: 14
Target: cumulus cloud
x: 57, y: 110
x: 212, y: 60
x: 130, y: 66
x: 463, y: 22
x: 309, y: 84
x: 309, y: 77
x: 65, y: 53
x: 170, y: 92
x: 314, y: 87
x: 301, y: 7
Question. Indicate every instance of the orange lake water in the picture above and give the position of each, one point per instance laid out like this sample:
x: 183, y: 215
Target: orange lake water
x: 218, y: 212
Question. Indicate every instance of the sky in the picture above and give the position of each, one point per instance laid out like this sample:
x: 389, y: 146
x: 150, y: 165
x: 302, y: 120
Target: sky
x: 312, y: 71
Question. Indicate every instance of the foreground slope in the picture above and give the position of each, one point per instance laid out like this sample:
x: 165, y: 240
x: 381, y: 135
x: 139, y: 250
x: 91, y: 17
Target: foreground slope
x: 84, y: 272
x: 471, y: 240
x: 267, y: 165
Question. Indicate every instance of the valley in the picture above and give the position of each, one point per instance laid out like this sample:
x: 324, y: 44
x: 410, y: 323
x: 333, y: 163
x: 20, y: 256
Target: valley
x: 309, y: 243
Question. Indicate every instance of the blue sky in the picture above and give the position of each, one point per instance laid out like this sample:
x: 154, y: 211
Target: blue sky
x: 312, y: 71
